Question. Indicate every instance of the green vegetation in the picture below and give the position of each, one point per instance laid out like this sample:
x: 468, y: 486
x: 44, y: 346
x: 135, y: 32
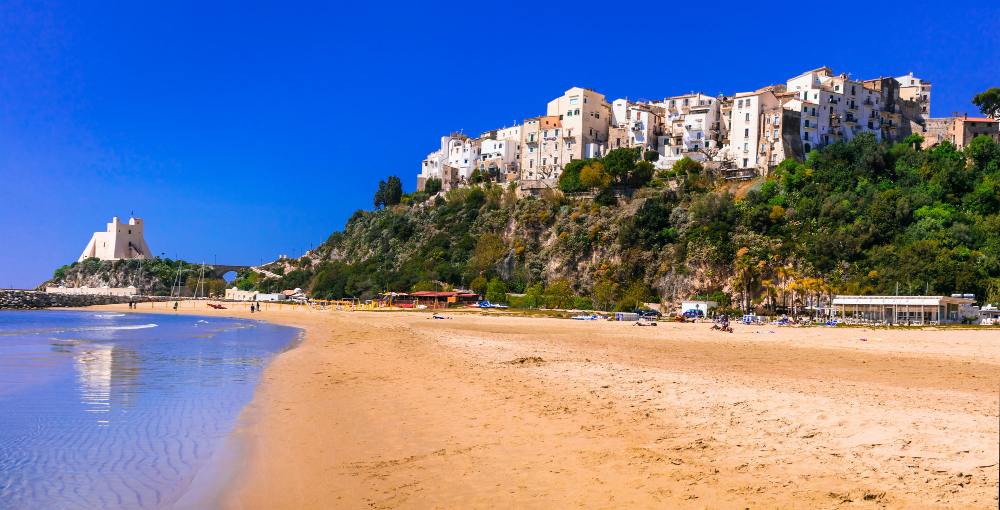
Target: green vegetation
x: 988, y: 102
x: 861, y: 216
x: 857, y: 217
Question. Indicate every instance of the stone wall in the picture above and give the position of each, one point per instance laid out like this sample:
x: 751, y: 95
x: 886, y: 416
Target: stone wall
x: 29, y: 299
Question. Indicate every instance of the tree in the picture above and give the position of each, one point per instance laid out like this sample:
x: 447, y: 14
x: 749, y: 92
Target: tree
x: 560, y: 294
x: 988, y: 102
x: 393, y: 191
x: 641, y: 175
x: 496, y: 291
x: 916, y: 141
x: 379, y: 201
x: 651, y: 156
x: 432, y: 185
x: 488, y: 250
x: 619, y: 163
x: 594, y: 176
x: 479, y: 285
x: 534, y: 295
x: 687, y: 166
x: 569, y: 180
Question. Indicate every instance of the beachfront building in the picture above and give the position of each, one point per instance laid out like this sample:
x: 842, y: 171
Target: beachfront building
x: 692, y: 126
x: 917, y: 310
x: 235, y: 294
x: 96, y: 291
x: 702, y: 306
x: 916, y: 89
x: 120, y: 241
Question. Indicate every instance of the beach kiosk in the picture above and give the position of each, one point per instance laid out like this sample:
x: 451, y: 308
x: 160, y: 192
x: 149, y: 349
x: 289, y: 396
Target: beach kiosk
x: 915, y: 310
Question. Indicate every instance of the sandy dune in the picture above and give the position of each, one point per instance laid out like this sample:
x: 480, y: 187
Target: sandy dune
x: 395, y: 410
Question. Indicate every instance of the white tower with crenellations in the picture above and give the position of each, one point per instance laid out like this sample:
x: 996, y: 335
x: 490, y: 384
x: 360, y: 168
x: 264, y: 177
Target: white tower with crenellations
x: 121, y: 241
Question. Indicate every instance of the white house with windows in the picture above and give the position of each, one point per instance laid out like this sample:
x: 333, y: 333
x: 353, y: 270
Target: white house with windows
x: 915, y: 89
x: 751, y: 121
x: 635, y: 125
x: 691, y: 123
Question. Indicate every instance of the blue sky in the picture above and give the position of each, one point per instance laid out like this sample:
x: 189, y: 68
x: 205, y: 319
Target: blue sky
x: 247, y: 130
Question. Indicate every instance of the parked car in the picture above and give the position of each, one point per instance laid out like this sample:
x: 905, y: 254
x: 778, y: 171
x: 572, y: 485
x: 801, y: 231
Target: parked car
x: 694, y: 313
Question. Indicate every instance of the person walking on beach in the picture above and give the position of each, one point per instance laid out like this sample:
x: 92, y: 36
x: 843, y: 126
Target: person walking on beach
x: 251, y: 308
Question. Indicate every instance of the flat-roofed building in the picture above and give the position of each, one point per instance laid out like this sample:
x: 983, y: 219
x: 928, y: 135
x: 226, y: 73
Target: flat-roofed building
x: 917, y: 310
x: 916, y: 89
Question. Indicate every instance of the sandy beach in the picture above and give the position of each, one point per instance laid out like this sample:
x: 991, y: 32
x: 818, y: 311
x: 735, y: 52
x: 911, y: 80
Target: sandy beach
x: 396, y: 410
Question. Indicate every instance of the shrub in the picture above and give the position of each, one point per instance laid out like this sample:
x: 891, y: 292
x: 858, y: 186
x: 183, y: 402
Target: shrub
x: 432, y: 186
x: 651, y: 156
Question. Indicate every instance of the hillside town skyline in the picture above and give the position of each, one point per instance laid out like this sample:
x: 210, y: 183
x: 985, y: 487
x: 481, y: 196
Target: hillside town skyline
x: 748, y: 133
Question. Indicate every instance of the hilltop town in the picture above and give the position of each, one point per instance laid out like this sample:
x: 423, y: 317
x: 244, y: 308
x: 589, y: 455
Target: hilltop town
x: 744, y: 135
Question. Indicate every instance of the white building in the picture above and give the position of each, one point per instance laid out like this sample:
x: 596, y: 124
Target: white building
x: 120, y: 241
x: 917, y: 310
x: 434, y: 166
x: 692, y: 124
x: 499, y: 156
x: 634, y: 125
x: 916, y: 89
x: 703, y: 306
x: 753, y: 121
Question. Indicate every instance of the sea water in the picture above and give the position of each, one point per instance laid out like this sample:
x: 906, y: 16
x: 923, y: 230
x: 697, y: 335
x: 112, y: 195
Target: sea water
x: 120, y: 410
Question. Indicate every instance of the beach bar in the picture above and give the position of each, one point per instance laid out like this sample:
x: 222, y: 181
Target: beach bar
x: 918, y: 310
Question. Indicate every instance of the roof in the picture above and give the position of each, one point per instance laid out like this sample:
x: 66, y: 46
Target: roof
x: 433, y: 293
x: 977, y: 119
x: 899, y: 300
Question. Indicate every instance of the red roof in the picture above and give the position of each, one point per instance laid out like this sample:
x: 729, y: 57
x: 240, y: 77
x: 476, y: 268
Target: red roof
x: 978, y: 119
x: 433, y: 293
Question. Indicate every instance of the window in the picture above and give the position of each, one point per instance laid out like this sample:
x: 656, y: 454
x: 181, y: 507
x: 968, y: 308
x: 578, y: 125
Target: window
x: 767, y: 133
x: 597, y: 115
x: 767, y: 120
x: 574, y: 100
x: 555, y: 161
x: 745, y: 162
x: 807, y: 122
x: 584, y: 100
x: 741, y: 103
x: 556, y: 146
x: 576, y: 112
x: 836, y: 87
x: 805, y: 108
x: 748, y: 117
x: 569, y: 113
x: 746, y: 132
x: 763, y: 147
x: 560, y: 117
x: 591, y: 131
x: 746, y: 146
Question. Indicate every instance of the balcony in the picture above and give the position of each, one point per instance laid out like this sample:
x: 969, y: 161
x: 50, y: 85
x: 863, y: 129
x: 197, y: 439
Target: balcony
x: 693, y: 127
x: 851, y: 120
x: 811, y: 114
x: 531, y: 141
x: 835, y: 134
x: 853, y: 107
x: 868, y: 102
x: 811, y: 128
x: 567, y: 134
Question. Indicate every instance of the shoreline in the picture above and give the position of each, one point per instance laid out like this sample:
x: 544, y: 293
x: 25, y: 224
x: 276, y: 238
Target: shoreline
x: 390, y: 409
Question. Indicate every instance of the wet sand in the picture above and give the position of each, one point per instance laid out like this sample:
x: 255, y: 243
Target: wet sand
x: 396, y: 410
